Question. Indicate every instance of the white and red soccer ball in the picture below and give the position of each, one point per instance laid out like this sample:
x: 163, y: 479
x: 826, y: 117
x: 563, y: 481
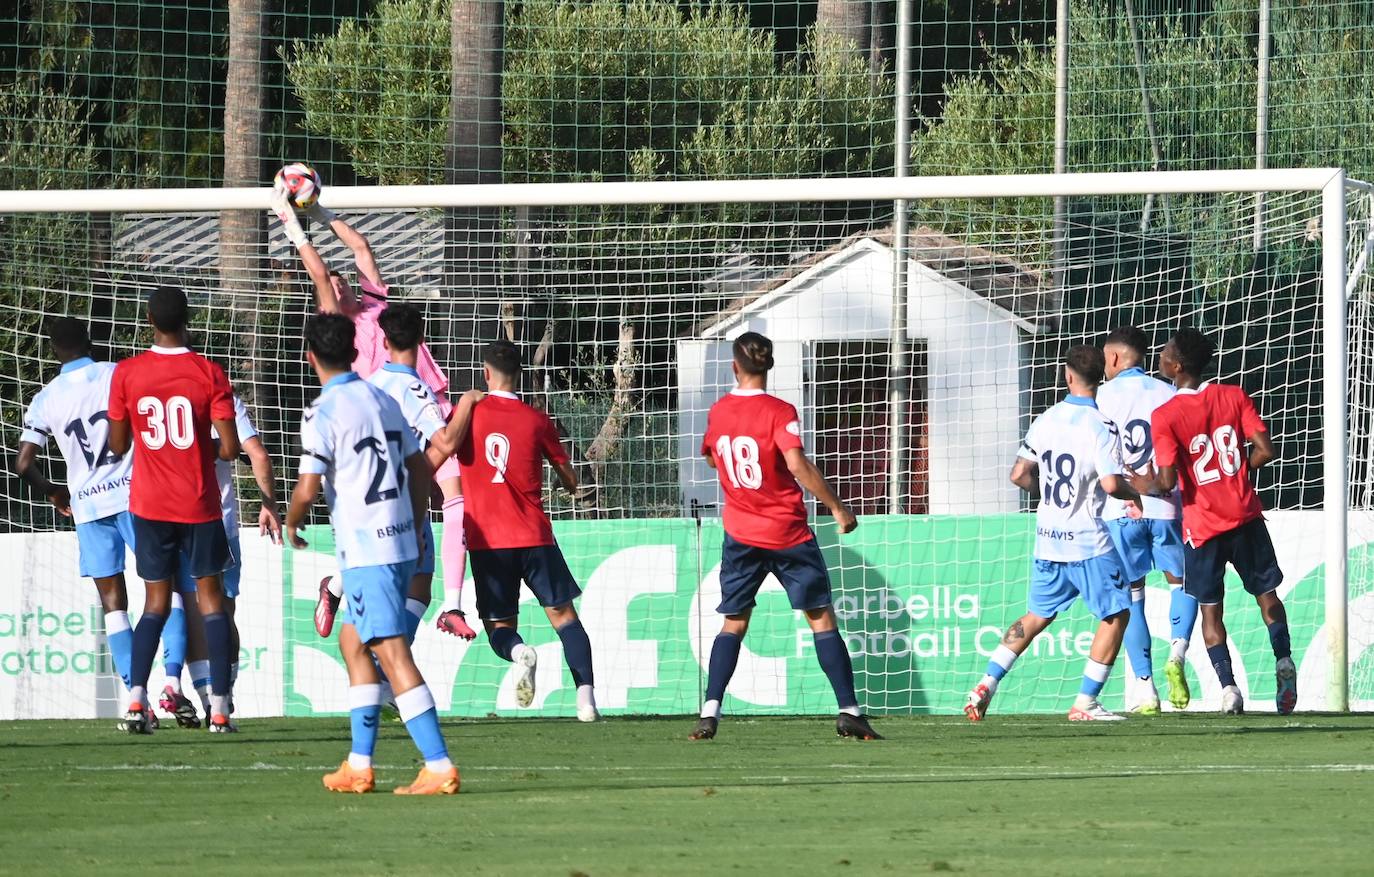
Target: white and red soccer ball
x: 302, y: 184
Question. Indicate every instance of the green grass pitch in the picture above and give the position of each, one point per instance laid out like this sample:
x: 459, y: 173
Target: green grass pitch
x: 1178, y: 794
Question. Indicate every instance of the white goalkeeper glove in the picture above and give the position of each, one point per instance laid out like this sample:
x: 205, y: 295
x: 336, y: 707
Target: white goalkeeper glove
x: 320, y: 213
x: 290, y: 223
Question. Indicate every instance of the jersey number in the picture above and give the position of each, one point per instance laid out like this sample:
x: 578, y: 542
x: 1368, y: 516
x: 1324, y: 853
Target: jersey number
x: 498, y: 455
x: 1058, y: 472
x: 375, y: 494
x: 1137, y: 443
x: 1224, y: 445
x: 78, y: 428
x: 740, y: 456
x: 170, y: 421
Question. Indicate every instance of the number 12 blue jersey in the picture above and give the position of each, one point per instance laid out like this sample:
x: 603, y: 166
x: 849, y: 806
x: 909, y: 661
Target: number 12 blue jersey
x: 1074, y: 446
x: 356, y: 437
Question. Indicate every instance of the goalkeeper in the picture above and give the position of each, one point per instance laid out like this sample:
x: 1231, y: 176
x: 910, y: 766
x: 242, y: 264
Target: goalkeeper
x: 334, y: 295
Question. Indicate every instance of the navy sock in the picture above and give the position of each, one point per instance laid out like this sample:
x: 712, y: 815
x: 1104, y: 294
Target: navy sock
x: 217, y: 642
x: 577, y: 651
x: 724, y: 657
x: 834, y: 658
x: 504, y: 640
x: 1278, y: 638
x: 1221, y: 660
x: 147, y: 633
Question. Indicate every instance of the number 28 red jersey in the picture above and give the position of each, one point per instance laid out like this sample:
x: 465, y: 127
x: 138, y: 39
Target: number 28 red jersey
x: 747, y: 433
x: 170, y: 395
x: 1202, y: 434
x: 502, y: 465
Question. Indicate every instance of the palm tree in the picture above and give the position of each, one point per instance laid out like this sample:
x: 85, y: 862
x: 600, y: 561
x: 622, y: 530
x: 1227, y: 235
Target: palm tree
x: 240, y: 231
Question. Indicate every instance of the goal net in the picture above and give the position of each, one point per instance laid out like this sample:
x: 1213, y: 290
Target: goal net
x: 916, y: 337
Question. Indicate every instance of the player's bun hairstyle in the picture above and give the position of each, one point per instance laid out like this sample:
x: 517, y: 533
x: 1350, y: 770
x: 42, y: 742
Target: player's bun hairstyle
x: 1087, y: 362
x: 753, y: 353
x: 68, y: 335
x: 330, y: 338
x: 1132, y: 337
x: 403, y: 326
x: 504, y: 357
x: 1195, y: 351
x: 167, y: 309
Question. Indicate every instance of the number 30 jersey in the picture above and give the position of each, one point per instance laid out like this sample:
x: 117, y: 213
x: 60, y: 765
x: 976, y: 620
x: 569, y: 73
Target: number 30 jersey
x: 1075, y: 446
x: 355, y: 436
x: 170, y: 395
x: 501, y: 462
x: 747, y: 434
x: 1129, y: 401
x: 72, y: 409
x: 1202, y: 433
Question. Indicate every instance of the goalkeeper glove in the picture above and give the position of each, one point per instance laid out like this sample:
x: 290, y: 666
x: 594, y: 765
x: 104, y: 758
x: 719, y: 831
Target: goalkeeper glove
x: 321, y: 214
x: 281, y: 206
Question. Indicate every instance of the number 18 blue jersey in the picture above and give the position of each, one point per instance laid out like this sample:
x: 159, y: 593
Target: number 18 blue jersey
x: 1074, y: 446
x: 355, y: 436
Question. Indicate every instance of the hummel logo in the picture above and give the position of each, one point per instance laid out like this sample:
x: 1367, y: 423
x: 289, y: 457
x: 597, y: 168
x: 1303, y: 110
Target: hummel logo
x: 369, y: 721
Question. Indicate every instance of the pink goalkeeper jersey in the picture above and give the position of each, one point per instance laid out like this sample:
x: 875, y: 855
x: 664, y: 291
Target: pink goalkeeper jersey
x: 372, y: 353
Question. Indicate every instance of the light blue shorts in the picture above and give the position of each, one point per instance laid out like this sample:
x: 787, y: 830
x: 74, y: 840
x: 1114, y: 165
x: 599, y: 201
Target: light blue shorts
x: 101, y: 544
x: 425, y: 565
x: 375, y: 599
x: 1145, y: 544
x: 1099, y: 581
x: 232, y: 573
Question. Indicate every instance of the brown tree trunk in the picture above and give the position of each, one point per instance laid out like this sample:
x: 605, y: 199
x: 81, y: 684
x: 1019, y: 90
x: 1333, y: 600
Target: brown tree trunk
x: 607, y: 440
x: 848, y: 19
x: 477, y: 43
x: 240, y: 231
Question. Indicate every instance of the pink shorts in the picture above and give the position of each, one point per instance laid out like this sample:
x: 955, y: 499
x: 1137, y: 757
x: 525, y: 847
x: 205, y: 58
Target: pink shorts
x: 449, y: 469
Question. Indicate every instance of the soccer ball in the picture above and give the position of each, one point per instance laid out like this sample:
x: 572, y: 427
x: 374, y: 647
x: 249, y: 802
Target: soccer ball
x: 302, y: 184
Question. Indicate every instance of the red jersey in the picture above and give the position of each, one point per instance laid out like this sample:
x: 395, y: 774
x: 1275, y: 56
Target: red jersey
x: 170, y: 395
x: 502, y: 465
x: 747, y: 433
x: 1202, y: 434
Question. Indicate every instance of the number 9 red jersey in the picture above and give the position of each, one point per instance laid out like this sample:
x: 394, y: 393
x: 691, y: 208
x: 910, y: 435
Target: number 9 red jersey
x: 170, y: 395
x: 1202, y: 434
x: 747, y: 434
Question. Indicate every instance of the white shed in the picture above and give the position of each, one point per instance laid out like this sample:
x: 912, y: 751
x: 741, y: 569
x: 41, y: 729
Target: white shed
x: 830, y: 319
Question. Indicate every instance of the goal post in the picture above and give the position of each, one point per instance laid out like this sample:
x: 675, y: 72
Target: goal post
x: 624, y: 298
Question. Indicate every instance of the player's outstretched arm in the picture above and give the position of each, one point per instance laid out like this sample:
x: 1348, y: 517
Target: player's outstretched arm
x: 1262, y: 451
x: 1023, y: 475
x: 302, y: 498
x: 326, y: 299
x: 355, y: 241
x: 269, y: 519
x: 26, y: 466
x: 809, y: 477
x: 445, y: 442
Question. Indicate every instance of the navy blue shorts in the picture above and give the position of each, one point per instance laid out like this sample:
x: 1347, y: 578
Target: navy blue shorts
x: 497, y: 573
x: 158, y: 546
x: 801, y: 569
x: 1248, y: 548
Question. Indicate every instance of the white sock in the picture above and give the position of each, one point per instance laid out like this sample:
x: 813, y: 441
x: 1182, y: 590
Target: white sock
x: 204, y: 692
x: 335, y: 585
x: 991, y: 682
x: 851, y: 710
x: 440, y: 766
x: 117, y: 622
x: 359, y: 762
x: 174, y: 683
x: 450, y: 604
x: 518, y: 651
x: 414, y: 702
x: 219, y: 705
x: 1083, y: 701
x: 586, y: 696
x: 415, y: 607
x: 1178, y: 649
x: 710, y: 709
x: 138, y: 694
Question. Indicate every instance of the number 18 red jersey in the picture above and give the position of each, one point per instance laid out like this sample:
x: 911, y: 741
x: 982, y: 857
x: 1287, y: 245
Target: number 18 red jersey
x: 747, y: 433
x: 1202, y: 433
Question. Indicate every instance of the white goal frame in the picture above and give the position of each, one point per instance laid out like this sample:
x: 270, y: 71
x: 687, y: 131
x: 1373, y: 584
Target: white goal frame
x: 1332, y: 183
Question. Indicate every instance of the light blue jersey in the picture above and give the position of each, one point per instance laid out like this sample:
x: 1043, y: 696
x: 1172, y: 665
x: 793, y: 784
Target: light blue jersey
x: 1128, y: 401
x: 418, y: 403
x: 356, y: 437
x: 1075, y: 446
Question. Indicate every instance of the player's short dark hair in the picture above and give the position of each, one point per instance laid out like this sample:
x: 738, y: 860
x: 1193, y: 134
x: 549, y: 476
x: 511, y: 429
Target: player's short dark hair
x: 68, y: 335
x: 1132, y: 337
x: 503, y: 357
x: 1195, y: 350
x: 1087, y: 362
x: 333, y: 273
x: 330, y: 338
x: 167, y: 308
x: 753, y: 353
x: 403, y: 326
